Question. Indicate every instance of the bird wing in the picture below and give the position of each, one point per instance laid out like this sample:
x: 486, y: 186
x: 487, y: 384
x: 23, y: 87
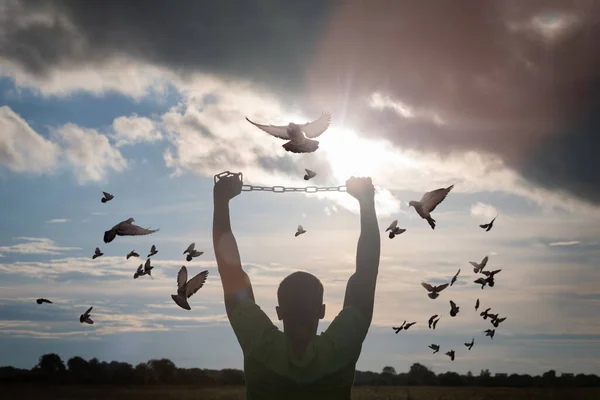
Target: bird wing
x: 441, y: 287
x: 134, y: 230
x: 486, y: 273
x: 107, y: 195
x: 317, y: 127
x: 484, y: 262
x: 89, y: 310
x: 97, y: 251
x: 147, y: 264
x: 431, y: 199
x: 457, y: 273
x: 452, y: 304
x: 484, y: 226
x: 190, y: 248
x: 479, y: 280
x: 182, y: 277
x: 140, y: 269
x: 300, y: 228
x: 152, y: 249
x: 310, y: 173
x: 427, y: 286
x: 392, y: 225
x: 496, y: 271
x: 196, y: 253
x: 273, y: 130
x: 474, y: 264
x: 195, y: 283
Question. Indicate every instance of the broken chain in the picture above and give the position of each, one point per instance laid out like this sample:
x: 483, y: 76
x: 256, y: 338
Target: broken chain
x: 278, y: 189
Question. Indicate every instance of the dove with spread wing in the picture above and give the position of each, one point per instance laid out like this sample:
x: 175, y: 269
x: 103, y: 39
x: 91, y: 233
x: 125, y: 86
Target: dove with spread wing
x: 97, y: 253
x: 299, y: 231
x: 394, y: 230
x: 434, y: 290
x: 85, y: 317
x: 153, y: 251
x: 477, y: 268
x: 126, y: 228
x: 185, y: 288
x: 42, y: 300
x: 107, y: 197
x: 429, y: 202
x: 489, y: 226
x: 300, y: 136
x: 309, y: 174
x: 132, y: 253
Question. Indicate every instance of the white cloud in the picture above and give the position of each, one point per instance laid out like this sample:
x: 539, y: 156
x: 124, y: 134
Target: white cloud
x: 34, y: 245
x: 480, y: 209
x: 88, y: 152
x: 21, y: 148
x: 133, y: 129
x: 571, y: 243
x: 58, y: 221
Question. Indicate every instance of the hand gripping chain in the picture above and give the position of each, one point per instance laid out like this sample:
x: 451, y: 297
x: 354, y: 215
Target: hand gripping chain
x: 279, y: 189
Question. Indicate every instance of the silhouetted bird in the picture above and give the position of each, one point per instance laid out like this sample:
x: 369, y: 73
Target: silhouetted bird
x: 126, y: 228
x: 42, y: 300
x: 185, y: 288
x: 490, y: 277
x: 107, y: 197
x: 429, y: 202
x: 394, y: 230
x: 435, y: 322
x: 309, y: 174
x: 194, y: 253
x: 490, y: 332
x: 451, y: 355
x: 97, y: 253
x: 434, y: 347
x: 485, y: 314
x: 139, y: 272
x: 434, y: 290
x: 489, y: 226
x: 148, y: 268
x: 481, y: 281
x: 85, y: 317
x: 431, y: 320
x: 299, y: 231
x: 496, y: 321
x: 477, y: 268
x: 399, y: 328
x: 454, y: 278
x: 132, y: 253
x: 153, y: 251
x: 300, y: 136
x: 453, y: 309
x: 470, y: 345
x: 476, y: 304
x: 409, y: 325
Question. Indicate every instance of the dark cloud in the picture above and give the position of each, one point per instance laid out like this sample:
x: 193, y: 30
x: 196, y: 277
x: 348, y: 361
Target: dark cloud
x: 499, y: 84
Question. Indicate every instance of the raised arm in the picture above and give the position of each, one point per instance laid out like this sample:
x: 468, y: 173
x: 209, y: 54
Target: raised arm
x: 236, y: 283
x: 360, y: 291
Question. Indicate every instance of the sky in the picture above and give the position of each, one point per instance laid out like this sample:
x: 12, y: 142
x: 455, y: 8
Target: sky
x: 501, y: 101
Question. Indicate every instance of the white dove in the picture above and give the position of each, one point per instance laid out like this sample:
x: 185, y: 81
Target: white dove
x: 97, y: 253
x: 85, y: 317
x: 126, y: 228
x: 192, y: 254
x: 300, y: 231
x: 185, y: 288
x: 477, y: 268
x: 429, y: 202
x: 300, y: 136
x: 107, y: 197
x: 309, y: 174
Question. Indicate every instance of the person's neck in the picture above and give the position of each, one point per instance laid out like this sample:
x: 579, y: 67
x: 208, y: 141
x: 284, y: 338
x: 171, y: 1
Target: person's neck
x: 299, y: 340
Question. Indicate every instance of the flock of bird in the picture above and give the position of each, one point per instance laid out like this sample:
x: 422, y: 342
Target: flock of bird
x: 300, y: 139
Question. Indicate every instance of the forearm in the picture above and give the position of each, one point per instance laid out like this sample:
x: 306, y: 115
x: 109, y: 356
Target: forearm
x: 369, y: 243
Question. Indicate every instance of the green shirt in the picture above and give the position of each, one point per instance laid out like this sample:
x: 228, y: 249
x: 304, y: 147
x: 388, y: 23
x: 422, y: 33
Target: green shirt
x: 325, y: 371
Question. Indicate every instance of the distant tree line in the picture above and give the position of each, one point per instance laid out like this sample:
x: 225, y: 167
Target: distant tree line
x: 51, y: 369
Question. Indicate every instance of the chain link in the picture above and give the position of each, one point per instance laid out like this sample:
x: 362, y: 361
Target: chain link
x: 278, y: 189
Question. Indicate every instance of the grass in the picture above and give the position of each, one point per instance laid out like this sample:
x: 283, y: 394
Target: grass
x: 237, y: 393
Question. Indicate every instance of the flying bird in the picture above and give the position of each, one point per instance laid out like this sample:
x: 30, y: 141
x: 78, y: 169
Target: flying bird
x: 190, y: 248
x: 185, y: 288
x: 192, y: 254
x: 300, y: 231
x: 490, y: 332
x: 481, y: 281
x: 489, y: 226
x: 431, y: 320
x: 409, y: 325
x: 85, y: 317
x: 476, y: 304
x: 435, y: 322
x: 132, y: 253
x: 126, y: 228
x: 153, y: 251
x: 139, y: 272
x: 477, y: 268
x: 434, y: 290
x: 429, y: 202
x: 470, y: 345
x: 496, y: 321
x: 148, y: 268
x: 309, y: 174
x: 485, y: 314
x: 394, y: 230
x: 434, y: 347
x: 399, y: 328
x: 451, y: 355
x: 107, y: 197
x: 454, y: 278
x: 97, y: 253
x: 42, y: 300
x: 453, y: 309
x: 300, y: 136
x: 490, y: 277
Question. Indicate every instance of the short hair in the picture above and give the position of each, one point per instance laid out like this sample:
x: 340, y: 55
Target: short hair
x: 300, y: 296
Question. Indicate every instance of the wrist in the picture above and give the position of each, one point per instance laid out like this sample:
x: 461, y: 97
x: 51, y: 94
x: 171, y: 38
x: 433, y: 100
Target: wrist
x: 367, y: 203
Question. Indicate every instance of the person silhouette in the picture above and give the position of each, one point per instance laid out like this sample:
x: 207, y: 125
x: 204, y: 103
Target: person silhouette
x: 298, y: 363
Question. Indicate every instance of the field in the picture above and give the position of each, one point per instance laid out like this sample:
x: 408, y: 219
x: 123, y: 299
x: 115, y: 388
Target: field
x: 362, y: 393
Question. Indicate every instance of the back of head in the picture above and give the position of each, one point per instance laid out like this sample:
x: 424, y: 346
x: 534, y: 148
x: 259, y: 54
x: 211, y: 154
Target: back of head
x: 300, y: 297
